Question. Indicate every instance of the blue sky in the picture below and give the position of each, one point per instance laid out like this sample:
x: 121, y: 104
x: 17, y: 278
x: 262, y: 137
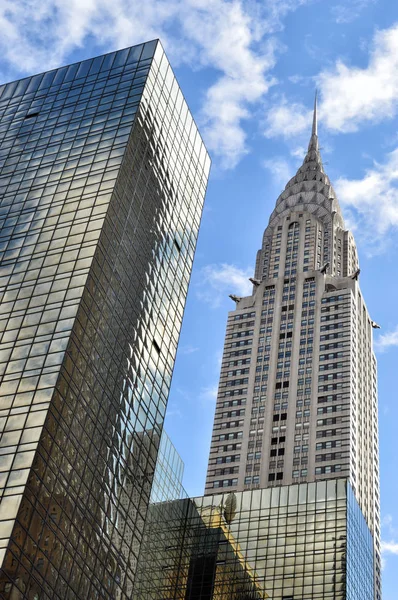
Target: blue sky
x: 249, y: 70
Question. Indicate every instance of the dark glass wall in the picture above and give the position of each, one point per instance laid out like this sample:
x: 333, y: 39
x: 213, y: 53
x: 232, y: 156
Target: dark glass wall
x: 189, y: 553
x: 298, y: 542
x: 103, y: 176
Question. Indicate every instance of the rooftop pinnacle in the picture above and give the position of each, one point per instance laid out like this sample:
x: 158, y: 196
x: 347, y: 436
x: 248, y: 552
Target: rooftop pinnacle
x: 314, y: 118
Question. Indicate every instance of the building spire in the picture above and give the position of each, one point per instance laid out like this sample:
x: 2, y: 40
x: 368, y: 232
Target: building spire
x: 310, y: 184
x: 314, y: 118
x: 313, y: 154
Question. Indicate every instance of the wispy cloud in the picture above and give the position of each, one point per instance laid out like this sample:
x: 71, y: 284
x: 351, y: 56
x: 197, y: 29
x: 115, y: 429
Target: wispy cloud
x: 235, y: 39
x: 373, y: 201
x: 387, y: 340
x: 173, y: 412
x: 188, y: 349
x: 209, y: 393
x: 296, y: 78
x: 387, y: 522
x: 280, y: 170
x: 348, y: 12
x: 298, y: 152
x: 390, y: 547
x: 218, y: 281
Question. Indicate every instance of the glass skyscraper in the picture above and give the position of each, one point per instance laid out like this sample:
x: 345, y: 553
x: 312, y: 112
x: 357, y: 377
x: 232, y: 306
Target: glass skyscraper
x: 102, y: 181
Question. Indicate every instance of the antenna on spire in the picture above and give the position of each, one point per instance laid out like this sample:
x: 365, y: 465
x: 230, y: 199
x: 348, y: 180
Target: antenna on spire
x: 314, y: 119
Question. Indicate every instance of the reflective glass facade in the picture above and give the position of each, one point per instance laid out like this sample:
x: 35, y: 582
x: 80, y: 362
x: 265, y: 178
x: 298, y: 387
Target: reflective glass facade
x: 360, y: 567
x: 169, y: 471
x: 102, y: 181
x: 305, y: 541
x: 189, y: 553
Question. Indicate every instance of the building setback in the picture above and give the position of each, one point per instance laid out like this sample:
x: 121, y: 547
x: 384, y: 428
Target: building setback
x: 297, y: 398
x: 102, y: 182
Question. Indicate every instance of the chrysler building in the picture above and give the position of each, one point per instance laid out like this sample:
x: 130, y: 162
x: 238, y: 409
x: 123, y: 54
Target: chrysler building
x: 297, y: 398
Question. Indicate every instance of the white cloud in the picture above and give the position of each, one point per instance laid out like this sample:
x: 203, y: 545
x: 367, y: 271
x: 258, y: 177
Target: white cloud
x: 234, y: 38
x: 228, y: 36
x: 349, y: 95
x: 218, y: 281
x: 389, y: 547
x: 387, y: 340
x: 372, y: 201
x: 280, y: 170
x: 287, y: 119
x: 352, y: 95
